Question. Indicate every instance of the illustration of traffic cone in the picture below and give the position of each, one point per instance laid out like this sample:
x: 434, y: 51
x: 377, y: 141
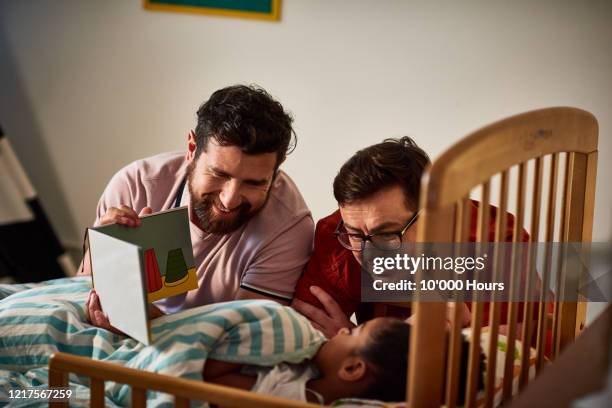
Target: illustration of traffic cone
x: 154, y: 282
x: 176, y: 268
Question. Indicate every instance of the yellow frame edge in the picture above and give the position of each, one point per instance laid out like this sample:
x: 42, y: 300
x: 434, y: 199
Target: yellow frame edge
x: 273, y: 16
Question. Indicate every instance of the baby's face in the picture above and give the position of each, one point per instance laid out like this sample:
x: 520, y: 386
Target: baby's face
x: 345, y: 343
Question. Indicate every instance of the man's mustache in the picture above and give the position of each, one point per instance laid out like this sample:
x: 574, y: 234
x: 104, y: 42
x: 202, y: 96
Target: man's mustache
x: 210, y: 199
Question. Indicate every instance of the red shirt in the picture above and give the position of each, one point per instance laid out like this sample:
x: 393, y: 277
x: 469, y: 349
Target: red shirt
x: 334, y: 269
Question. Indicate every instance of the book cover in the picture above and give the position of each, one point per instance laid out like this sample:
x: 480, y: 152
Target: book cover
x: 134, y: 266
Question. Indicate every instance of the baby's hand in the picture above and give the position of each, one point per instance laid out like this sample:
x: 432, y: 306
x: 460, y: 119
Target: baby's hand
x: 95, y: 314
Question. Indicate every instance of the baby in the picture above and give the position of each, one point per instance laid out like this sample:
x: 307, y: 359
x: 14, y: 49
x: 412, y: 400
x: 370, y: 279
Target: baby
x: 369, y: 361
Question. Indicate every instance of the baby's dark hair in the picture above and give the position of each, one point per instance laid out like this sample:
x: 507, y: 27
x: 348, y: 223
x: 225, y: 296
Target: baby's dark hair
x: 387, y: 357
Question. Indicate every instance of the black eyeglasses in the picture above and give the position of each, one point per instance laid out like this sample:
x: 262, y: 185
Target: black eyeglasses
x: 385, y: 241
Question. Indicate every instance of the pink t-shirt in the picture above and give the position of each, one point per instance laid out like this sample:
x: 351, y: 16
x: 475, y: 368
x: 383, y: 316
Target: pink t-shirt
x: 266, y: 255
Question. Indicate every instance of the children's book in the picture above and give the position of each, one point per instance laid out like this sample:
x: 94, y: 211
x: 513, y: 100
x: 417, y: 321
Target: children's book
x: 134, y: 266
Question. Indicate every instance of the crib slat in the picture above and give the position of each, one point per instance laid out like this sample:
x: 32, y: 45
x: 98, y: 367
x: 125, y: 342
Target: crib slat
x: 536, y: 203
x: 549, y: 237
x: 561, y: 270
x: 578, y: 212
x: 552, y: 197
x: 139, y: 397
x: 57, y: 379
x: 495, y: 309
x: 428, y: 332
x: 463, y: 220
x: 461, y: 229
x: 527, y: 332
x: 482, y: 236
x: 96, y: 395
x: 473, y: 373
x: 514, y: 283
x: 570, y: 159
x: 454, y: 358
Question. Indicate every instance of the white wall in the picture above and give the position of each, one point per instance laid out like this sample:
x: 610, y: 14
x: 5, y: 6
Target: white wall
x: 88, y: 86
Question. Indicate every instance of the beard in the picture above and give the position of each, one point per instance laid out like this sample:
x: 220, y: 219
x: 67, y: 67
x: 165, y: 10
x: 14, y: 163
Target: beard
x: 215, y: 224
x: 211, y: 222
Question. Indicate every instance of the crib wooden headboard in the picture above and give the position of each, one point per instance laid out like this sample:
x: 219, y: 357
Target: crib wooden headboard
x: 540, y: 143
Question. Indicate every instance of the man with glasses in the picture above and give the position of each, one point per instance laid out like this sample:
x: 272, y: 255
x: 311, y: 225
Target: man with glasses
x: 385, y: 241
x: 378, y: 194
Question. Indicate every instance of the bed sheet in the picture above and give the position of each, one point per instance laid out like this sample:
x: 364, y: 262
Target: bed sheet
x: 37, y: 320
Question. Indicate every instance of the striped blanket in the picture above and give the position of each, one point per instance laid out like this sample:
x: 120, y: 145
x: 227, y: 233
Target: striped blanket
x: 37, y: 320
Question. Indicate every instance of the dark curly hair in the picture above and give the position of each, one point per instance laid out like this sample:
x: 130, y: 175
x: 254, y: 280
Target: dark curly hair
x: 392, y: 162
x: 247, y: 117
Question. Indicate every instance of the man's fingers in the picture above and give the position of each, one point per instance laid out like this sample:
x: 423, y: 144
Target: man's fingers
x: 96, y: 301
x: 93, y: 314
x: 129, y: 212
x: 318, y: 327
x: 145, y: 211
x: 123, y: 216
x: 96, y: 313
x: 88, y: 305
x: 311, y: 312
x: 126, y: 221
x: 97, y: 316
x: 113, y: 215
x: 102, y: 320
x: 331, y: 306
x: 320, y: 320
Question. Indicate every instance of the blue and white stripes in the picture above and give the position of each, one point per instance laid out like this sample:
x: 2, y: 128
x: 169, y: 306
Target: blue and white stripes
x: 39, y: 319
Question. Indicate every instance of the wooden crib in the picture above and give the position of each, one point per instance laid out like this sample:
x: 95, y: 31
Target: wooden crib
x: 564, y: 139
x: 140, y: 381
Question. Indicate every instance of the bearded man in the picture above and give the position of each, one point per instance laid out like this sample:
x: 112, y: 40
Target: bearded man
x: 251, y: 230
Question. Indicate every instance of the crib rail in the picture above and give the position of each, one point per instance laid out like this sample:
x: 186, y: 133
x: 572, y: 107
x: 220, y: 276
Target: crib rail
x: 61, y: 364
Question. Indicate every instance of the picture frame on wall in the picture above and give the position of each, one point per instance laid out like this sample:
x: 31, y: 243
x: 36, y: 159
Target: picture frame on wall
x: 257, y: 9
